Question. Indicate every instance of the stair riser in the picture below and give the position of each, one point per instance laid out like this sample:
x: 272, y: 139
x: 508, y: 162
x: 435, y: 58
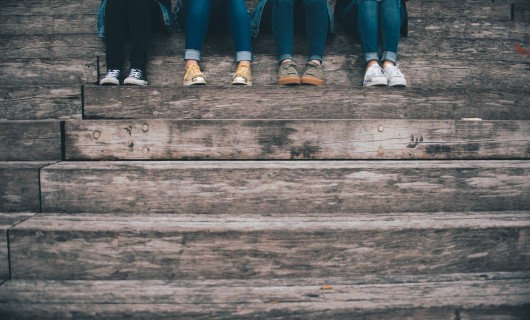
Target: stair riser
x: 236, y: 254
x: 285, y: 187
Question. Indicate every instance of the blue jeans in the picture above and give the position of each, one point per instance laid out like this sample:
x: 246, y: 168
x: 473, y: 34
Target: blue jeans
x: 316, y: 21
x: 198, y: 17
x: 379, y: 24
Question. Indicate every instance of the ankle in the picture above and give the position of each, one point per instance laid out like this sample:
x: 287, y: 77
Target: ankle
x: 190, y: 63
x: 387, y: 64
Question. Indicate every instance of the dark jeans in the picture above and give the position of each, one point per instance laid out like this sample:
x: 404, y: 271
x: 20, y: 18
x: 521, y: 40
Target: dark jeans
x: 198, y: 13
x: 134, y: 17
x: 379, y: 24
x: 316, y: 22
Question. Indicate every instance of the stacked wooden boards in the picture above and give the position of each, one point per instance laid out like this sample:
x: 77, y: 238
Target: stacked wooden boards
x: 266, y: 202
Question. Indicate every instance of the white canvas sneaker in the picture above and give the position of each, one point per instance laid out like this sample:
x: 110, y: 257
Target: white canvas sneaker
x: 374, y: 77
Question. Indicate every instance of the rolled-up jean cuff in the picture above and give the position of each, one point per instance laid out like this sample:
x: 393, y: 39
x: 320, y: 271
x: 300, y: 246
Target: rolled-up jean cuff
x: 243, y: 56
x: 389, y: 56
x: 285, y: 56
x: 369, y: 56
x: 192, y: 54
x: 315, y: 57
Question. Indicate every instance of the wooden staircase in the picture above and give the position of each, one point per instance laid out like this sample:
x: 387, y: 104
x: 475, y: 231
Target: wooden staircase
x: 266, y: 202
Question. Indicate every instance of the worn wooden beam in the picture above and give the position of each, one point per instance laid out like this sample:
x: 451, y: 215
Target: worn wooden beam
x: 139, y: 246
x: 477, y: 298
x: 25, y: 102
x: 8, y: 220
x: 275, y: 102
x: 19, y: 186
x: 286, y: 186
x: 296, y: 139
x: 30, y: 140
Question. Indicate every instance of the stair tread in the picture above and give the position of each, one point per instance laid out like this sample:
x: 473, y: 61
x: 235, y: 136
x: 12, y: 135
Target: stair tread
x: 275, y: 102
x: 431, y: 298
x: 296, y: 139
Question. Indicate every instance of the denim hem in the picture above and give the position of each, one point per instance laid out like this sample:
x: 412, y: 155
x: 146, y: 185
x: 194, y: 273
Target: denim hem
x: 369, y: 56
x: 243, y: 56
x: 389, y: 56
x: 285, y: 56
x: 192, y: 54
x: 316, y: 57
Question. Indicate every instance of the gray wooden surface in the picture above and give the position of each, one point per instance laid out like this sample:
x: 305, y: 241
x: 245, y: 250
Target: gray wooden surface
x: 464, y: 297
x: 7, y: 220
x: 296, y: 139
x: 139, y: 246
x: 274, y: 102
x: 30, y: 140
x: 19, y: 186
x: 285, y: 186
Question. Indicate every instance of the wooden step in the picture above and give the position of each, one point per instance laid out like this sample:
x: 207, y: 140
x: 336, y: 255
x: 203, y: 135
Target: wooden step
x: 31, y: 140
x: 475, y: 296
x: 275, y: 102
x: 19, y: 187
x: 296, y: 139
x: 143, y: 246
x: 240, y: 187
x: 26, y: 102
x: 8, y: 220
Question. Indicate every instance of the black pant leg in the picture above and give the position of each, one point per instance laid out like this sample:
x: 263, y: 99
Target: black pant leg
x: 140, y: 31
x: 115, y: 29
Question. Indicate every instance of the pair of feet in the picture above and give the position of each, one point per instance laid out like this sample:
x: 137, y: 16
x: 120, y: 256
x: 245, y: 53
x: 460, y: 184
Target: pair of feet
x: 389, y: 76
x: 136, y: 77
x: 288, y: 75
x: 194, y: 76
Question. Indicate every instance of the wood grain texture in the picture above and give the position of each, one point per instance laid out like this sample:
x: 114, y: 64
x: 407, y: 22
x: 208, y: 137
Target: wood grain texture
x: 285, y: 186
x: 8, y: 220
x: 483, y: 299
x: 30, y: 140
x: 269, y: 102
x: 40, y: 102
x: 19, y: 186
x: 136, y: 247
x: 296, y: 139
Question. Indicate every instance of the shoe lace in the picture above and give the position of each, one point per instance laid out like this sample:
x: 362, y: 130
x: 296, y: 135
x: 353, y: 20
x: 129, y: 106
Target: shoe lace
x: 376, y: 71
x: 394, y: 71
x: 312, y: 69
x: 136, y: 73
x: 195, y: 71
x: 242, y: 71
x: 114, y: 73
x: 288, y: 68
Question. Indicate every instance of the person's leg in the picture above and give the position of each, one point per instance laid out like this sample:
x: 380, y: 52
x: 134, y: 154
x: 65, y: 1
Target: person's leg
x: 369, y: 36
x: 316, y: 28
x: 198, y: 14
x: 239, y: 23
x: 282, y: 28
x: 140, y: 33
x: 115, y: 16
x: 390, y: 21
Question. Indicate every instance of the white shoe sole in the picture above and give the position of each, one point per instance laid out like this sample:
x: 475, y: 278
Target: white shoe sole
x: 376, y: 82
x: 197, y: 82
x: 241, y: 81
x: 109, y: 82
x: 136, y: 82
x: 399, y: 82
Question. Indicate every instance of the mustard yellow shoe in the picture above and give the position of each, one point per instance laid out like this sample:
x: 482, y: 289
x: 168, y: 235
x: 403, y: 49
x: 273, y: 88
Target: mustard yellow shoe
x: 243, y: 76
x: 194, y: 76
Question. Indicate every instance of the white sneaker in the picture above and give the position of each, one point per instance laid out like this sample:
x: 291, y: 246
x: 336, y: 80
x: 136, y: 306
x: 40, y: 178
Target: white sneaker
x: 112, y: 78
x: 374, y: 77
x: 395, y: 77
x: 136, y: 77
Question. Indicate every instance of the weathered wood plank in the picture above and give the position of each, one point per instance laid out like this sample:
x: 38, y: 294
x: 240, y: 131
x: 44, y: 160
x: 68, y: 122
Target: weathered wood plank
x: 481, y: 299
x: 132, y: 246
x: 285, y: 186
x: 19, y: 186
x: 269, y: 102
x: 30, y: 140
x: 40, y: 102
x: 7, y: 220
x: 296, y: 139
x: 339, y: 70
